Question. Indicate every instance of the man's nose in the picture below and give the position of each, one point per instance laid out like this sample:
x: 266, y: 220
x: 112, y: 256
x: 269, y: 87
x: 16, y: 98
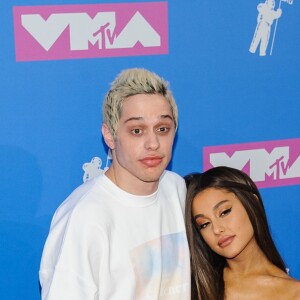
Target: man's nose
x: 152, y: 141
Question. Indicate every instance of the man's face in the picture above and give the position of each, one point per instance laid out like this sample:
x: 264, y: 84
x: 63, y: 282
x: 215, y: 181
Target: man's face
x: 142, y: 148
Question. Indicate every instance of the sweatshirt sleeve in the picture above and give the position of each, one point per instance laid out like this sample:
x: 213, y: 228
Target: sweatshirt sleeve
x: 72, y: 257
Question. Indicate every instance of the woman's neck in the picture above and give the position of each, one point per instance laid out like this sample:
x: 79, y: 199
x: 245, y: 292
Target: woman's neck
x: 250, y: 260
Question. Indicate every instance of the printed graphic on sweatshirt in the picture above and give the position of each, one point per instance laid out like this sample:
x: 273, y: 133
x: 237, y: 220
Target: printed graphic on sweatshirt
x: 90, y: 30
x: 93, y: 168
x: 162, y: 269
x: 272, y: 163
x: 267, y: 16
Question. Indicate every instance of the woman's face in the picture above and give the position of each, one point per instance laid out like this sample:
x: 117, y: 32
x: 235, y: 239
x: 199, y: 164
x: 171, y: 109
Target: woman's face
x: 223, y: 222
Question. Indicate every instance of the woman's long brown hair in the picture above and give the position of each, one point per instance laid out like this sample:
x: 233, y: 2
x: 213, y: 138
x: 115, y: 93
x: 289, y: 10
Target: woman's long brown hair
x: 206, y: 265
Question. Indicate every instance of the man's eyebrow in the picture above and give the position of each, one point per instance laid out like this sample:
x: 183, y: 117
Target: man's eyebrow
x: 133, y: 119
x: 167, y: 116
x: 214, y: 208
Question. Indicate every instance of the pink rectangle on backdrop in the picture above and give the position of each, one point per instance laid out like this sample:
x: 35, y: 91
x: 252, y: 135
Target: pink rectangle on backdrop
x: 277, y: 162
x: 154, y: 15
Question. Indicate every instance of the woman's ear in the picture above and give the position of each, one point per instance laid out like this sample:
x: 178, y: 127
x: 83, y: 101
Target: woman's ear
x: 108, y: 138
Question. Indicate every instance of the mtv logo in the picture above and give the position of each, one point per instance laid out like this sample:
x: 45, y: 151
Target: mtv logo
x: 271, y: 163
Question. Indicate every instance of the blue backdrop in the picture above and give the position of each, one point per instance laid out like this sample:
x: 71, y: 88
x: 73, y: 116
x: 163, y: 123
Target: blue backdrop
x: 50, y: 116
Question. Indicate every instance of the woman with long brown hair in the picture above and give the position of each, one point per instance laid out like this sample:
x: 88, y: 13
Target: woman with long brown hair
x: 233, y: 255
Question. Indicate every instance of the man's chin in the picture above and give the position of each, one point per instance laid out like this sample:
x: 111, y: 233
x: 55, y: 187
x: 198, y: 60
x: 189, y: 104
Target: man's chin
x: 152, y: 175
x: 151, y: 178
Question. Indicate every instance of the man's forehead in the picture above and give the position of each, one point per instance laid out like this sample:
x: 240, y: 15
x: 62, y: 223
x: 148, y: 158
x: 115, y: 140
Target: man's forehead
x: 142, y: 105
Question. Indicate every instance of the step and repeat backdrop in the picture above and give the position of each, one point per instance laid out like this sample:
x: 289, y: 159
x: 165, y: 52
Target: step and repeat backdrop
x: 234, y: 69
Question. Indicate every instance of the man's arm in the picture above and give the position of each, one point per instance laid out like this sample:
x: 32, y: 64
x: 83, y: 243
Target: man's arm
x: 71, y: 260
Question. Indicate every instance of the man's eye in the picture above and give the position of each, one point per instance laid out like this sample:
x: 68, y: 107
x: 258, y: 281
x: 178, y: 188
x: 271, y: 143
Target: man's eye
x: 225, y: 212
x: 163, y: 129
x: 136, y: 131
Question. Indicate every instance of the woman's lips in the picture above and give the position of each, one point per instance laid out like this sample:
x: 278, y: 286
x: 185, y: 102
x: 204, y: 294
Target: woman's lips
x: 225, y: 241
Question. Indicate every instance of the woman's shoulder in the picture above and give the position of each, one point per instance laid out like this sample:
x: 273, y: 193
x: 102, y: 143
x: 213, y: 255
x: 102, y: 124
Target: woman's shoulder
x: 270, y: 285
x: 283, y: 286
x: 291, y: 288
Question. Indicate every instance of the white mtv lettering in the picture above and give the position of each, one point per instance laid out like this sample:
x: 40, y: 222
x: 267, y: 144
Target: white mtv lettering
x: 81, y: 26
x: 85, y: 30
x: 137, y: 30
x: 261, y: 163
x: 47, y: 31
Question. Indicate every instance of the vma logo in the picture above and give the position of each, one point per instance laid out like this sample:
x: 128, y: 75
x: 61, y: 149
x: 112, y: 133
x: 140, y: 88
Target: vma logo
x: 269, y: 164
x: 89, y: 31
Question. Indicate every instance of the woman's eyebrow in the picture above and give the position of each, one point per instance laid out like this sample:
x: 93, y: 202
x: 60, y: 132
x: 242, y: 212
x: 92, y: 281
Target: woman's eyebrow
x: 198, y: 216
x: 219, y: 204
x: 214, y: 208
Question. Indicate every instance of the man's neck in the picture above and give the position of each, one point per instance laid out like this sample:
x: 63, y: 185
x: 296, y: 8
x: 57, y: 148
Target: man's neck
x: 134, y: 187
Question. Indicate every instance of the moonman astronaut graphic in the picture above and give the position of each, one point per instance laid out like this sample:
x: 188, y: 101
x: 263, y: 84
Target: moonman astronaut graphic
x: 93, y: 168
x: 265, y: 18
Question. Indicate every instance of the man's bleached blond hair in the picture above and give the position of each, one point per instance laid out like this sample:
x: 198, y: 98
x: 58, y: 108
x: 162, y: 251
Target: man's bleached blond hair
x: 132, y: 82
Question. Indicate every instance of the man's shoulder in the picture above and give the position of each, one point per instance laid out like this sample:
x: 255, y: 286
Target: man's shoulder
x: 171, y: 180
x: 172, y: 176
x: 173, y: 185
x: 83, y: 198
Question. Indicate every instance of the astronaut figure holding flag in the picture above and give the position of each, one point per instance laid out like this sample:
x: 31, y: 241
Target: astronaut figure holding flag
x: 265, y: 18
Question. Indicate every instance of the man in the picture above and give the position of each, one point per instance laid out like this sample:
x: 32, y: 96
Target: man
x: 121, y: 235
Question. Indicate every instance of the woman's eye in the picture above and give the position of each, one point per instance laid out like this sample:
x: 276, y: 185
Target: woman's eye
x: 202, y: 226
x: 225, y: 212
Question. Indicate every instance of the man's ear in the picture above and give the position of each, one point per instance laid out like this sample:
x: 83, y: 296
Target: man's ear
x: 108, y: 138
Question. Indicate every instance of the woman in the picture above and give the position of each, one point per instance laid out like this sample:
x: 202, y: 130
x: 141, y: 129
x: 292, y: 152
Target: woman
x: 233, y: 255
